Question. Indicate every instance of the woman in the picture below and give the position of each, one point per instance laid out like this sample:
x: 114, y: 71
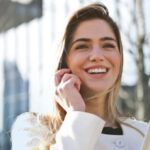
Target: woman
x: 87, y: 84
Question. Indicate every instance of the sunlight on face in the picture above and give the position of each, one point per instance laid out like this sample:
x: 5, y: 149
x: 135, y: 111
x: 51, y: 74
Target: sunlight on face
x: 94, y: 56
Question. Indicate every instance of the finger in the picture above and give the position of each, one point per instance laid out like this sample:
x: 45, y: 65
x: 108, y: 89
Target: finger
x: 78, y: 85
x: 76, y: 81
x: 59, y: 74
x: 72, y: 82
x: 66, y: 77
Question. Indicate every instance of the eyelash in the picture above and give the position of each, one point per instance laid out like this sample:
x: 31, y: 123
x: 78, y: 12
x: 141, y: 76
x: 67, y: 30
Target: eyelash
x: 109, y: 46
x: 81, y: 47
x: 86, y: 46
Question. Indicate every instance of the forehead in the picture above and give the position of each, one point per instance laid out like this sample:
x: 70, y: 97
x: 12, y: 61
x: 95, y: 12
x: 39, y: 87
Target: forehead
x: 93, y: 29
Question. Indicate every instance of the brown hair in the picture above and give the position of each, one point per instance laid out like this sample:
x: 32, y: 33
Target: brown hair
x: 89, y: 12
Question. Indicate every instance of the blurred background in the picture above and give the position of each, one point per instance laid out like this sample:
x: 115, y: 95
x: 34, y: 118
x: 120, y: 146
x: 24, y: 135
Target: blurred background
x: 30, y: 31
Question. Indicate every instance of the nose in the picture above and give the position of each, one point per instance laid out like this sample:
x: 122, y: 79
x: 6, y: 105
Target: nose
x: 96, y: 54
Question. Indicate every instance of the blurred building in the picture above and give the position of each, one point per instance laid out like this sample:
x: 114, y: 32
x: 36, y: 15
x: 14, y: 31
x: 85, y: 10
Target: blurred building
x: 15, y: 100
x: 14, y: 90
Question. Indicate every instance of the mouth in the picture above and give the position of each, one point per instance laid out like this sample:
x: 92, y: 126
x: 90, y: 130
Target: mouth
x: 97, y: 70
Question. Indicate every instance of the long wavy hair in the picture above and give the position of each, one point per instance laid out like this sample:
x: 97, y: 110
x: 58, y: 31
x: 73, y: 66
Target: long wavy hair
x: 92, y: 11
x: 89, y: 12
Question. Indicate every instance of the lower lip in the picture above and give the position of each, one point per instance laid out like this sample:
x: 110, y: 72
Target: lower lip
x: 97, y: 76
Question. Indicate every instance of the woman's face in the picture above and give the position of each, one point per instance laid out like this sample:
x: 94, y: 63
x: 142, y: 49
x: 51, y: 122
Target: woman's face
x: 94, y: 56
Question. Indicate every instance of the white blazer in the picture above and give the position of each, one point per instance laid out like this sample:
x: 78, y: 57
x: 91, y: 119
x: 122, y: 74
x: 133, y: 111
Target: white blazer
x: 79, y: 131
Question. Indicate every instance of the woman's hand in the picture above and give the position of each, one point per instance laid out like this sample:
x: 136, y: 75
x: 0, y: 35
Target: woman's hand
x: 67, y: 91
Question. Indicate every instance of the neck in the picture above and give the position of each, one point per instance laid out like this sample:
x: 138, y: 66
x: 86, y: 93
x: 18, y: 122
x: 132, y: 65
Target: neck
x: 96, y: 105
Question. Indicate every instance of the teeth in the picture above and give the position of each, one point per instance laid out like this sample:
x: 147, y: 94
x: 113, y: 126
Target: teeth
x: 97, y: 70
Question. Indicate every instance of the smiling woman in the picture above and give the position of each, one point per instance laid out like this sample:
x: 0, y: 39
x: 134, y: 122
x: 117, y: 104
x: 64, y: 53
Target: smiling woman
x: 87, y: 84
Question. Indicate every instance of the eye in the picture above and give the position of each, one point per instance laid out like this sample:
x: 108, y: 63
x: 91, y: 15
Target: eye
x: 81, y: 46
x: 109, y: 45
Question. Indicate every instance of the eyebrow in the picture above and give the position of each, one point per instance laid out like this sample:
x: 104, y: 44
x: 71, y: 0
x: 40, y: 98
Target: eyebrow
x: 108, y: 39
x: 88, y: 40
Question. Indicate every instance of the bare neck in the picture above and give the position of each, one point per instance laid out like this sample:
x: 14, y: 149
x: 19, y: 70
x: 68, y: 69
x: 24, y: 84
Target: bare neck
x: 97, y: 106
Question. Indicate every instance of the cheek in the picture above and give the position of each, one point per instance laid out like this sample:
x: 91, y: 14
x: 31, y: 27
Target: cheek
x: 117, y: 63
x: 75, y: 61
x: 115, y: 60
x: 72, y: 63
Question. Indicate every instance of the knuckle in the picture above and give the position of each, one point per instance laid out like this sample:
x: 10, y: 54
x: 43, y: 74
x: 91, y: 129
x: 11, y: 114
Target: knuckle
x: 57, y: 72
x: 63, y: 87
x: 59, y: 89
x: 66, y: 85
x: 67, y: 75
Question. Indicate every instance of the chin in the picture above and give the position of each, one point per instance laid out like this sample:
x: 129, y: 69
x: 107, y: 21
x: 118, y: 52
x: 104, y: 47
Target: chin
x: 99, y: 88
x: 91, y: 91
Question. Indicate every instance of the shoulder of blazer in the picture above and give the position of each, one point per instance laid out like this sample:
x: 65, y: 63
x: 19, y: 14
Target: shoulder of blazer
x: 137, y: 124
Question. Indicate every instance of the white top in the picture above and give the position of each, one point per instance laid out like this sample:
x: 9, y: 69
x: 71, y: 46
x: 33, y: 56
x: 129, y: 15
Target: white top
x: 79, y: 131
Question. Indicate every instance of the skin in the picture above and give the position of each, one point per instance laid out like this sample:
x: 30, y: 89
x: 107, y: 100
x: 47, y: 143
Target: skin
x: 93, y: 46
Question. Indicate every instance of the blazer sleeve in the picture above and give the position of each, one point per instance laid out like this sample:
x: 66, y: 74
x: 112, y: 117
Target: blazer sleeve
x: 79, y: 131
x: 27, y: 133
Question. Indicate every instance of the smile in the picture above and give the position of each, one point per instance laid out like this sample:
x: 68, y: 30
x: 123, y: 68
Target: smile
x: 98, y: 70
